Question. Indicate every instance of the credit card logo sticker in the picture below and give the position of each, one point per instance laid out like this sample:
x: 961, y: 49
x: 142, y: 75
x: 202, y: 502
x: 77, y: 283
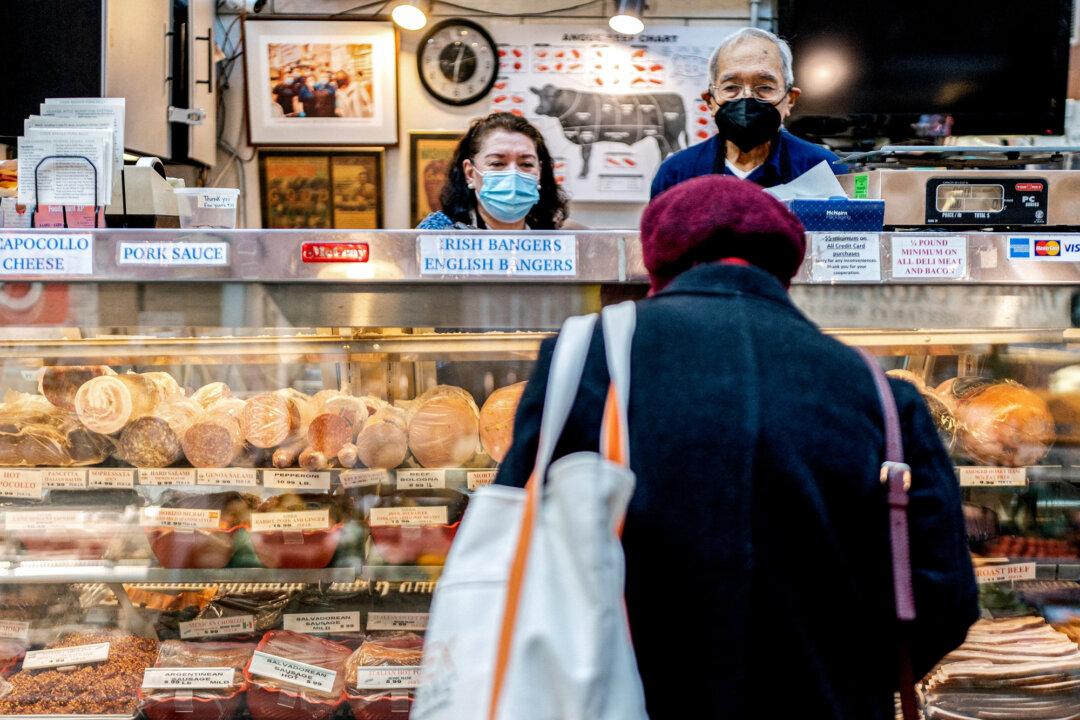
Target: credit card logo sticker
x: 1019, y: 247
x: 1047, y: 248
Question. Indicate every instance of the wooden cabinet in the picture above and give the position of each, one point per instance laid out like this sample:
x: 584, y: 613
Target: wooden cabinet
x: 138, y: 62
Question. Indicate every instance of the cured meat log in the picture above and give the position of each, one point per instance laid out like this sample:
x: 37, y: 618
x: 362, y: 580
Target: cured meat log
x: 155, y: 440
x: 207, y: 395
x: 999, y: 423
x: 286, y: 455
x: 497, y: 420
x: 348, y: 456
x: 59, y: 384
x: 352, y: 409
x: 107, y: 403
x: 382, y: 442
x: 313, y: 460
x: 269, y: 419
x: 444, y: 427
x: 328, y: 433
x: 34, y: 432
x: 213, y: 440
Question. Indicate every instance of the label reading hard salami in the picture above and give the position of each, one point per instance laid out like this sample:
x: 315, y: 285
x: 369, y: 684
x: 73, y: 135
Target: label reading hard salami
x: 228, y: 476
x: 111, y: 478
x: 44, y: 519
x: 993, y: 477
x: 296, y: 520
x: 364, y: 478
x: 62, y: 657
x: 15, y: 629
x: 216, y: 627
x: 421, y: 479
x: 167, y: 476
x: 479, y: 478
x: 383, y: 517
x: 387, y: 678
x: 179, y: 518
x: 21, y: 484
x: 1004, y: 573
x: 206, y: 678
x: 317, y: 623
x: 397, y: 621
x: 63, y: 478
x: 297, y: 480
x: 293, y: 672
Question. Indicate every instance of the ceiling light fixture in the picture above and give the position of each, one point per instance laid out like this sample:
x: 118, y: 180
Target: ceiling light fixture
x: 411, y: 14
x: 627, y: 17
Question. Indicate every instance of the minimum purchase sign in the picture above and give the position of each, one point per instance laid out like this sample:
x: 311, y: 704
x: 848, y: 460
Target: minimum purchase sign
x: 508, y: 255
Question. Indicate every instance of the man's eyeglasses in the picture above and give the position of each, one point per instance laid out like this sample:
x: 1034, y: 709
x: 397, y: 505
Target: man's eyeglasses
x: 765, y: 92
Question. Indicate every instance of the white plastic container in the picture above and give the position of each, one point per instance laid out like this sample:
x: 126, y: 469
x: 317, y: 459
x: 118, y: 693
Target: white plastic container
x: 207, y: 207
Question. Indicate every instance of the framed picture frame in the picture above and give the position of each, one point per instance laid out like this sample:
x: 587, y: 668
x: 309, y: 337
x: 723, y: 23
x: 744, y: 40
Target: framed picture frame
x: 321, y: 82
x: 430, y: 155
x: 305, y: 189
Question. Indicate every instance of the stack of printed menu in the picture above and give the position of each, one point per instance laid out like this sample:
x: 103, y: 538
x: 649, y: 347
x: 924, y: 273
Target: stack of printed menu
x: 72, y: 143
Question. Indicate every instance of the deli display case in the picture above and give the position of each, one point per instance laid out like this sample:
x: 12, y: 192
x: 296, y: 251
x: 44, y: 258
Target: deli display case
x: 232, y: 463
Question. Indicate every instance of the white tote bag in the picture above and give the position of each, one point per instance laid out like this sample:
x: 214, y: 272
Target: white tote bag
x: 528, y: 621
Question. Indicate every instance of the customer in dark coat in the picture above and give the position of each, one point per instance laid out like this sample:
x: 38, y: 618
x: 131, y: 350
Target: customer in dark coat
x: 758, y: 575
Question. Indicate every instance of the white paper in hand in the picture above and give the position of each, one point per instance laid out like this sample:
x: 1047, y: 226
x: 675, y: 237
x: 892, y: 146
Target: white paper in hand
x: 819, y: 182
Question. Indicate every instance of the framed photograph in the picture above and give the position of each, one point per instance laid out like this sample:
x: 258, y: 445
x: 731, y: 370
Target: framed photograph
x: 430, y: 155
x: 321, y: 190
x: 321, y: 82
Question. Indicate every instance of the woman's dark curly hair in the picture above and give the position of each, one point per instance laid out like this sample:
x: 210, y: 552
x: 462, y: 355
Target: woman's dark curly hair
x: 459, y: 202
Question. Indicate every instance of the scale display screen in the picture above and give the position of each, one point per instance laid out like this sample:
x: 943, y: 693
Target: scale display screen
x: 952, y: 197
x: 1003, y: 200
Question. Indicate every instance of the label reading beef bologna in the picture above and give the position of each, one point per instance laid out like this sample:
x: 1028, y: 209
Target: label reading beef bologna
x: 217, y: 627
x: 385, y: 517
x: 421, y: 479
x: 21, y: 484
x: 318, y: 623
x: 62, y: 657
x: 188, y: 678
x: 387, y: 678
x: 479, y: 478
x: 188, y: 518
x: 167, y: 476
x: 397, y: 621
x: 15, y: 629
x: 44, y: 519
x: 246, y: 477
x: 63, y: 478
x: 364, y: 478
x: 293, y: 672
x: 296, y: 520
x: 296, y: 480
x: 111, y: 478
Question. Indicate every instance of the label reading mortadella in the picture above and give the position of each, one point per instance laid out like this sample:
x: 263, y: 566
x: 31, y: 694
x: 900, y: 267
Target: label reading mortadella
x: 15, y: 629
x: 316, y: 623
x: 397, y: 621
x: 207, y: 678
x: 62, y: 657
x: 111, y: 478
x: 382, y: 517
x: 296, y: 520
x: 228, y: 476
x: 189, y: 518
x: 43, y: 519
x: 421, y: 479
x: 479, y: 478
x: 216, y: 627
x: 387, y: 678
x: 167, y: 476
x: 63, y: 478
x: 292, y: 671
x: 26, y: 484
x: 296, y: 480
x: 364, y: 478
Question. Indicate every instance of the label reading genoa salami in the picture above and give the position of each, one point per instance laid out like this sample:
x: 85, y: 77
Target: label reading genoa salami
x: 364, y: 478
x: 316, y: 623
x: 421, y: 479
x: 167, y: 476
x: 293, y: 479
x: 111, y: 478
x: 297, y: 520
x: 63, y: 478
x: 21, y: 484
x: 293, y: 672
x: 387, y: 678
x: 383, y: 517
x: 179, y: 518
x: 216, y: 627
x: 479, y: 478
x: 228, y: 476
x: 62, y: 657
x: 397, y: 621
x: 188, y: 678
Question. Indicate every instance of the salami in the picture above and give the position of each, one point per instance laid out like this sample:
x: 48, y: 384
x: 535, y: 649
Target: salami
x: 348, y: 456
x: 107, y: 403
x: 207, y: 395
x: 327, y: 433
x: 311, y: 459
x: 497, y: 420
x: 444, y: 427
x: 269, y: 419
x: 286, y: 455
x: 382, y: 442
x: 59, y: 384
x: 351, y: 408
x: 155, y: 440
x: 213, y: 441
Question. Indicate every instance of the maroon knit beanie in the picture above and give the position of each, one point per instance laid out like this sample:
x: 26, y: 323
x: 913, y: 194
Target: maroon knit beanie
x: 717, y: 217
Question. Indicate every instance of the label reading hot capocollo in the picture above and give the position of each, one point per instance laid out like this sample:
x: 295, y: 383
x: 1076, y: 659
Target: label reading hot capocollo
x: 27, y: 484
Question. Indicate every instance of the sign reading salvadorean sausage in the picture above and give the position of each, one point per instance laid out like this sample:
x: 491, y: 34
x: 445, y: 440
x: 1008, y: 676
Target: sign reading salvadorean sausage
x: 292, y: 671
x: 509, y: 255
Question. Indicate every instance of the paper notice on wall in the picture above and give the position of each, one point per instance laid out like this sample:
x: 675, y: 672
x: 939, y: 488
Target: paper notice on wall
x: 846, y: 257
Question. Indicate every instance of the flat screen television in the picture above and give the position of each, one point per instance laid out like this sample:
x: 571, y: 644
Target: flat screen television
x: 906, y: 69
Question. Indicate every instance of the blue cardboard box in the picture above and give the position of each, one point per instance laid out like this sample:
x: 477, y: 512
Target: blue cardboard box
x: 839, y: 214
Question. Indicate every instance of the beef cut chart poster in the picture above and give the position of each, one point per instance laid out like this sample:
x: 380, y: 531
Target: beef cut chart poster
x: 611, y: 107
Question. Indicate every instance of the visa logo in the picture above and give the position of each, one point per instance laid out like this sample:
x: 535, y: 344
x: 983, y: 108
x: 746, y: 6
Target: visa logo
x: 1072, y: 247
x: 1020, y: 247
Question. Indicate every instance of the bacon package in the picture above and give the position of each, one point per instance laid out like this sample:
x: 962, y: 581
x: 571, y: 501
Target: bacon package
x: 193, y: 702
x: 293, y: 675
x: 382, y: 676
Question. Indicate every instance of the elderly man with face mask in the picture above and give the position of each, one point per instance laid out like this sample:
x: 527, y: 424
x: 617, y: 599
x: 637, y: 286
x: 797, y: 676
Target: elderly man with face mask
x: 751, y: 94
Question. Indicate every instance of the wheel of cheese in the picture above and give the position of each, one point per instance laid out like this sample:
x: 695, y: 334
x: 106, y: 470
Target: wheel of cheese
x: 444, y: 427
x: 497, y: 420
x: 1004, y: 424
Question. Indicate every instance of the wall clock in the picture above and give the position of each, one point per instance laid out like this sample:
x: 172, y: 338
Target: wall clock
x: 457, y: 61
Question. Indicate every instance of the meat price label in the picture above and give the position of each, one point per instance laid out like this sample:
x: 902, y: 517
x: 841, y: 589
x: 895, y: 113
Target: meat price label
x: 63, y: 478
x: 167, y: 476
x: 111, y: 478
x: 27, y: 484
x: 992, y: 477
x: 296, y: 480
x: 62, y: 657
x: 479, y: 478
x: 317, y: 623
x: 364, y: 478
x: 246, y: 477
x: 290, y: 521
x: 397, y: 621
x: 929, y: 257
x: 44, y: 519
x: 182, y: 518
x: 217, y: 627
x: 293, y: 672
x: 207, y: 678
x: 385, y: 517
x: 15, y: 629
x: 421, y: 479
x: 988, y: 574
x: 387, y: 678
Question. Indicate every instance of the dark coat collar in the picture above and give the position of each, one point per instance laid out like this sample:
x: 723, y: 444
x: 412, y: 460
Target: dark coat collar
x: 719, y: 279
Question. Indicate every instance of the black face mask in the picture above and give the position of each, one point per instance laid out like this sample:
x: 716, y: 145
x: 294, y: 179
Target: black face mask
x: 748, y: 122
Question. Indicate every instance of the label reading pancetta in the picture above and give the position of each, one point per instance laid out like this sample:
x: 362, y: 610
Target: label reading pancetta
x: 63, y: 478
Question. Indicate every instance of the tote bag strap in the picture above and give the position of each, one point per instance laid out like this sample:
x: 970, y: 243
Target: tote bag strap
x: 896, y: 476
x: 618, y: 322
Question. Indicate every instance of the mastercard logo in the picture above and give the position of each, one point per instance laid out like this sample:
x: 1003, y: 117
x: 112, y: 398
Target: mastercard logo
x: 1047, y: 248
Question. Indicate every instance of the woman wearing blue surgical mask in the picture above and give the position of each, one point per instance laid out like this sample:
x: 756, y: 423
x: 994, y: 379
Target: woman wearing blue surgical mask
x: 501, y: 178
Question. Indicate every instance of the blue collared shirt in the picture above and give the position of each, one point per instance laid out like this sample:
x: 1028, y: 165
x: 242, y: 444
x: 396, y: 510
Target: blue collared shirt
x: 789, y: 158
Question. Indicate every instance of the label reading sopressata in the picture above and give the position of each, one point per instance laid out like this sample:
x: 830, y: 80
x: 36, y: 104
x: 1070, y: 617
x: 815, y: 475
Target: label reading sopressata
x: 21, y: 483
x: 174, y: 253
x: 993, y: 477
x: 387, y: 677
x: 111, y: 478
x: 217, y: 627
x: 421, y: 479
x: 397, y: 621
x: 15, y: 629
x: 510, y: 255
x: 62, y: 657
x: 46, y: 253
x: 292, y: 671
x: 479, y: 478
x: 296, y: 520
x: 228, y: 476
x: 38, y: 520
x: 364, y: 478
x: 189, y: 518
x: 63, y: 478
x: 293, y: 479
x: 167, y: 476
x: 316, y: 623
x: 1004, y: 573
x: 929, y: 257
x: 846, y: 257
x: 206, y: 678
x: 383, y: 517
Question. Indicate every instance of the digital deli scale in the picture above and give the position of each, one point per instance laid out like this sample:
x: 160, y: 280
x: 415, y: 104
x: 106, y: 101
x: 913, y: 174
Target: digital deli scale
x: 959, y: 197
